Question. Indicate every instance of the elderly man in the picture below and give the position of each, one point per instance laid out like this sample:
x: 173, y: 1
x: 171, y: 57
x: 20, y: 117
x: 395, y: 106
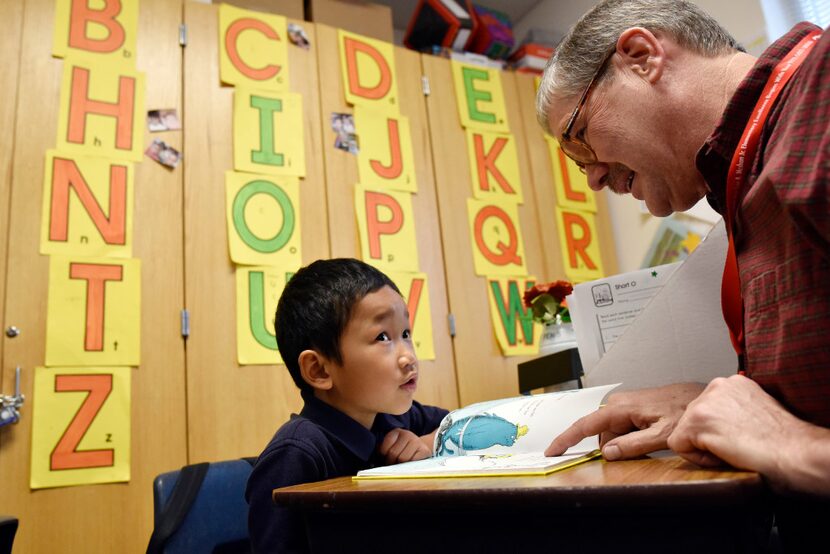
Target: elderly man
x: 654, y: 98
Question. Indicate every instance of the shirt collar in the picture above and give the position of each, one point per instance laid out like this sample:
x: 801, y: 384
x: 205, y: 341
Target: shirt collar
x: 715, y: 155
x: 355, y: 437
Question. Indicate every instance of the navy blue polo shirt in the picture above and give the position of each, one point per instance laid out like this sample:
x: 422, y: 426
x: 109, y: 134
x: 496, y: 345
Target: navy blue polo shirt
x: 321, y: 443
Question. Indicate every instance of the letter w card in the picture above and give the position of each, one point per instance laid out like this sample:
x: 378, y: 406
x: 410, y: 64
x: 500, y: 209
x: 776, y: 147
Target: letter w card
x: 80, y: 426
x: 513, y: 325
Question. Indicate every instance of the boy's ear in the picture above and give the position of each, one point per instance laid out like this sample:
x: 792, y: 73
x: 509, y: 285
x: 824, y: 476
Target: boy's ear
x: 313, y: 370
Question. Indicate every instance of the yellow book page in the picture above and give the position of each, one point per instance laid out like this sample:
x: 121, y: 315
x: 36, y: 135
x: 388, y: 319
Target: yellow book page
x: 385, y: 160
x: 100, y: 29
x: 258, y: 289
x: 263, y: 215
x: 387, y: 229
x: 414, y: 288
x: 87, y: 206
x: 572, y: 191
x: 367, y: 67
x: 496, y: 237
x: 513, y: 324
x: 80, y: 426
x: 580, y: 245
x: 480, y: 98
x: 253, y: 49
x: 268, y: 132
x: 93, y: 312
x: 494, y: 165
x: 101, y: 109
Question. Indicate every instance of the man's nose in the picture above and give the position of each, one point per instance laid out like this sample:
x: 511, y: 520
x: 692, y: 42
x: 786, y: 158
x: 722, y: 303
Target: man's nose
x: 597, y: 174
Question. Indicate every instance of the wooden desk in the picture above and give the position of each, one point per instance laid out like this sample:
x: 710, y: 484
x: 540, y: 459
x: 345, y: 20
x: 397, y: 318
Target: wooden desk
x: 655, y: 504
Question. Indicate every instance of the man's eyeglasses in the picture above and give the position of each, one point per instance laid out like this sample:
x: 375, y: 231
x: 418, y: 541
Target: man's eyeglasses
x: 574, y: 147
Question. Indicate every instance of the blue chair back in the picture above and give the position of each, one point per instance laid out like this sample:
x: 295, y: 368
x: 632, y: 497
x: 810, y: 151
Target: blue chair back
x: 8, y: 528
x: 217, y: 520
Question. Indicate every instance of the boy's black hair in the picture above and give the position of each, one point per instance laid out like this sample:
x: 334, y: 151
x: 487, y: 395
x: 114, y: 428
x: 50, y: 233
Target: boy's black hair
x: 316, y: 306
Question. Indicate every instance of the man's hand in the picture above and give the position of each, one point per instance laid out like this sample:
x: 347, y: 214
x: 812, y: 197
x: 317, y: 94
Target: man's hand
x: 735, y: 421
x: 400, y: 445
x: 631, y: 424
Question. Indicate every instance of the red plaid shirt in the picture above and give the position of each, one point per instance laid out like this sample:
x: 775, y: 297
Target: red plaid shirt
x: 782, y: 229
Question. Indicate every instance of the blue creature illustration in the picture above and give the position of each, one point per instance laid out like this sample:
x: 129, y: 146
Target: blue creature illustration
x: 477, y: 432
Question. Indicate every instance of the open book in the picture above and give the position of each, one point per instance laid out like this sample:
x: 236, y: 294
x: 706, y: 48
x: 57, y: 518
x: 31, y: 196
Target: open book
x: 504, y: 437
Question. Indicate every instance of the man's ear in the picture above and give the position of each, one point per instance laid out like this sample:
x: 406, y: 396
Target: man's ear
x: 642, y: 52
x: 313, y: 369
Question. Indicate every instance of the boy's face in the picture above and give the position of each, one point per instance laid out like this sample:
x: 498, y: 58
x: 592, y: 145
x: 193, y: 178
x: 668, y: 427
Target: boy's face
x: 379, y: 373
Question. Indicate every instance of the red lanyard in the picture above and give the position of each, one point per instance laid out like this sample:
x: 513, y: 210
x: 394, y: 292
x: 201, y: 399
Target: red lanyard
x: 731, y: 300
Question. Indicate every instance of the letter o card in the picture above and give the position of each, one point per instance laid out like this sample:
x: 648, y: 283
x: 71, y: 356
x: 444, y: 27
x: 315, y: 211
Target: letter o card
x: 105, y: 28
x: 498, y: 248
x: 263, y: 214
x: 94, y: 312
x: 368, y: 69
x: 253, y: 49
x: 80, y: 426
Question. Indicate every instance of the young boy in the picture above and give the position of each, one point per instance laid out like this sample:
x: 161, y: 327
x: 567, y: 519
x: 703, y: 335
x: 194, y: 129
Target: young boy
x: 343, y: 331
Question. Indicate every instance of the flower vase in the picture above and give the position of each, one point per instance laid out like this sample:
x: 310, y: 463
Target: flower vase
x: 557, y: 336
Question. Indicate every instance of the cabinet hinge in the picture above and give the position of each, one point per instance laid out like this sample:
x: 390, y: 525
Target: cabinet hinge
x: 185, y: 323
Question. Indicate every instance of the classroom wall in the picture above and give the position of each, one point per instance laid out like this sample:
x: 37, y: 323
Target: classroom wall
x: 191, y: 399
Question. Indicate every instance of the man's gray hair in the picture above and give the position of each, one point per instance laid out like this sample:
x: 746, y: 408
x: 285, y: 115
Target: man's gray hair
x: 592, y: 38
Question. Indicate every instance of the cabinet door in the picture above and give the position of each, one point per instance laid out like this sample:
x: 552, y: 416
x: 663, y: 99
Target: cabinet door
x: 233, y: 410
x: 109, y: 517
x: 436, y: 385
x: 9, y: 72
x: 483, y: 373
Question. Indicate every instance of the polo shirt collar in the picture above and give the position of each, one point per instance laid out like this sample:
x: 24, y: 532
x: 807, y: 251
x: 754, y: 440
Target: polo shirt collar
x: 352, y: 435
x: 715, y: 155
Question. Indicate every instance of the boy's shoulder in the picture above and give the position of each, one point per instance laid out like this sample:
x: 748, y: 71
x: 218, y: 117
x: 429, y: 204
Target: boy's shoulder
x: 298, y: 432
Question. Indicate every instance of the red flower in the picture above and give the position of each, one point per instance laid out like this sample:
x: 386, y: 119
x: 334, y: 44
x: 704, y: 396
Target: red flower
x: 558, y: 289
